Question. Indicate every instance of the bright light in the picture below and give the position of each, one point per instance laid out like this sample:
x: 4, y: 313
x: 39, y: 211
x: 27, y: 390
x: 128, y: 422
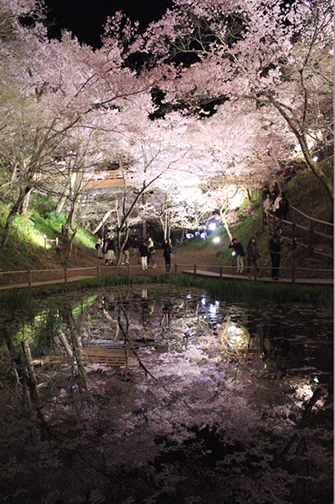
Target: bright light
x: 315, y: 158
x: 189, y: 235
x: 203, y: 301
x: 212, y: 226
x: 216, y: 239
x: 212, y: 309
x: 203, y: 235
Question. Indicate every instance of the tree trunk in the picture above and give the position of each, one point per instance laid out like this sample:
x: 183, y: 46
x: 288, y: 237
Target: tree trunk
x: 25, y: 202
x: 105, y: 217
x: 225, y: 223
x: 61, y: 203
x: 12, y: 214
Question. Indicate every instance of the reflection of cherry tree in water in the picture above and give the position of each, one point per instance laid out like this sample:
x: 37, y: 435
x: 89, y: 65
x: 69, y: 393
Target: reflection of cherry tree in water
x: 182, y: 421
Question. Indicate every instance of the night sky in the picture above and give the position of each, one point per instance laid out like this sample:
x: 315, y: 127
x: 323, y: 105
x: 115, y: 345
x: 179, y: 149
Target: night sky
x: 85, y: 18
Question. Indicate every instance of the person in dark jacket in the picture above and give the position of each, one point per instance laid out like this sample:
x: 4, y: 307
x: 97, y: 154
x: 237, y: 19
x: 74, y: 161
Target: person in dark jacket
x: 144, y: 253
x: 238, y: 252
x: 275, y: 247
x: 252, y: 254
x: 283, y: 207
x: 167, y: 253
x: 110, y: 252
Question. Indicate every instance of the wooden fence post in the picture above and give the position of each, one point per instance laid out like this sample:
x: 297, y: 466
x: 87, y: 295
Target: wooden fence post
x: 175, y: 267
x: 65, y: 275
x: 220, y: 272
x: 195, y: 269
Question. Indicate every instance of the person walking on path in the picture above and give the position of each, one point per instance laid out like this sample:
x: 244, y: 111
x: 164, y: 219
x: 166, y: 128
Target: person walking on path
x: 283, y: 207
x: 238, y: 252
x: 253, y: 254
x: 167, y: 254
x: 275, y: 247
x: 276, y: 205
x: 110, y: 252
x: 151, y: 248
x: 125, y: 253
x: 144, y: 252
x: 265, y: 192
x: 267, y: 207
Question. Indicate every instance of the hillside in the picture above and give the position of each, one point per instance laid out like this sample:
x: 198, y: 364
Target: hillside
x: 27, y: 243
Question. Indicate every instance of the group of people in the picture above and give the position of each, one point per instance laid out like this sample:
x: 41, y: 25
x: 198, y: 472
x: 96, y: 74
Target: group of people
x: 275, y: 202
x: 147, y: 251
x: 275, y: 249
x: 106, y: 249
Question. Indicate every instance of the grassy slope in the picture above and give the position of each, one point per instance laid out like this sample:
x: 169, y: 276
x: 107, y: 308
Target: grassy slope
x: 26, y: 245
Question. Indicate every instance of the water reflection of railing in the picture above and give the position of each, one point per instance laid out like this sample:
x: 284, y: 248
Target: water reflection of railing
x: 292, y: 274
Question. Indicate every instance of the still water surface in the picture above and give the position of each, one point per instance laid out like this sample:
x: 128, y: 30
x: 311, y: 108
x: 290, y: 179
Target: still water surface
x: 203, y: 391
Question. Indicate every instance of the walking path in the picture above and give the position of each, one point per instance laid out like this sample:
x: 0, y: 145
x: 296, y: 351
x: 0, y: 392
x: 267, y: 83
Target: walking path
x: 245, y: 277
x: 198, y: 273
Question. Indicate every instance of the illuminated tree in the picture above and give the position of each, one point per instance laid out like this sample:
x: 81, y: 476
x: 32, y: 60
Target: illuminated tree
x: 277, y: 56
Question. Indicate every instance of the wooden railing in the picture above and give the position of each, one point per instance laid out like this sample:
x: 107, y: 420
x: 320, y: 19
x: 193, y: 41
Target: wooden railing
x: 314, y: 235
x: 29, y: 278
x: 293, y: 273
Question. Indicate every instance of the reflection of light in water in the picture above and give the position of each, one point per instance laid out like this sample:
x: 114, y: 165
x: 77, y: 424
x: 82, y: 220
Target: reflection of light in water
x: 203, y: 301
x: 212, y: 309
x: 189, y: 296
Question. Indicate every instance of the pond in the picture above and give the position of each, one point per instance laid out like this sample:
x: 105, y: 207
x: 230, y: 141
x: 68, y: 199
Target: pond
x: 156, y: 395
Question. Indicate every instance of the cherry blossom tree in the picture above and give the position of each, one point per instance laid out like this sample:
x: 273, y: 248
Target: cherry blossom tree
x: 278, y: 56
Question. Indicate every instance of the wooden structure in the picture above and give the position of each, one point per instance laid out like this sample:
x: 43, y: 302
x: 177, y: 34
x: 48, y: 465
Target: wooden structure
x: 108, y: 356
x: 314, y: 235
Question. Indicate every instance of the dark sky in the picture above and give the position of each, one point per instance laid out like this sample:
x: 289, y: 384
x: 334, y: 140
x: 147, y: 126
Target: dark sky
x: 86, y: 17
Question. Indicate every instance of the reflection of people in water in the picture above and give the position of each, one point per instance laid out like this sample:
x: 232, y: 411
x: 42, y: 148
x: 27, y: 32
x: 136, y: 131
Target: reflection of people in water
x: 166, y: 318
x: 148, y: 307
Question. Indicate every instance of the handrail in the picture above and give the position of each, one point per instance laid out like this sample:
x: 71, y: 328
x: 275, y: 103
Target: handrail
x: 211, y: 269
x: 311, y: 218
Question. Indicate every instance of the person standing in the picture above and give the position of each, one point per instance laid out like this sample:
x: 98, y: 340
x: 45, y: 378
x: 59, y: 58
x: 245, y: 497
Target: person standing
x: 265, y: 192
x: 167, y: 253
x: 276, y: 205
x: 110, y: 252
x: 252, y: 254
x: 267, y: 206
x: 125, y: 253
x: 144, y: 252
x: 238, y: 252
x: 151, y: 248
x: 98, y: 247
x: 135, y: 247
x: 275, y: 247
x: 283, y: 207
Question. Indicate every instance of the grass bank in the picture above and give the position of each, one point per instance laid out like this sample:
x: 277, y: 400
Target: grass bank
x: 249, y: 292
